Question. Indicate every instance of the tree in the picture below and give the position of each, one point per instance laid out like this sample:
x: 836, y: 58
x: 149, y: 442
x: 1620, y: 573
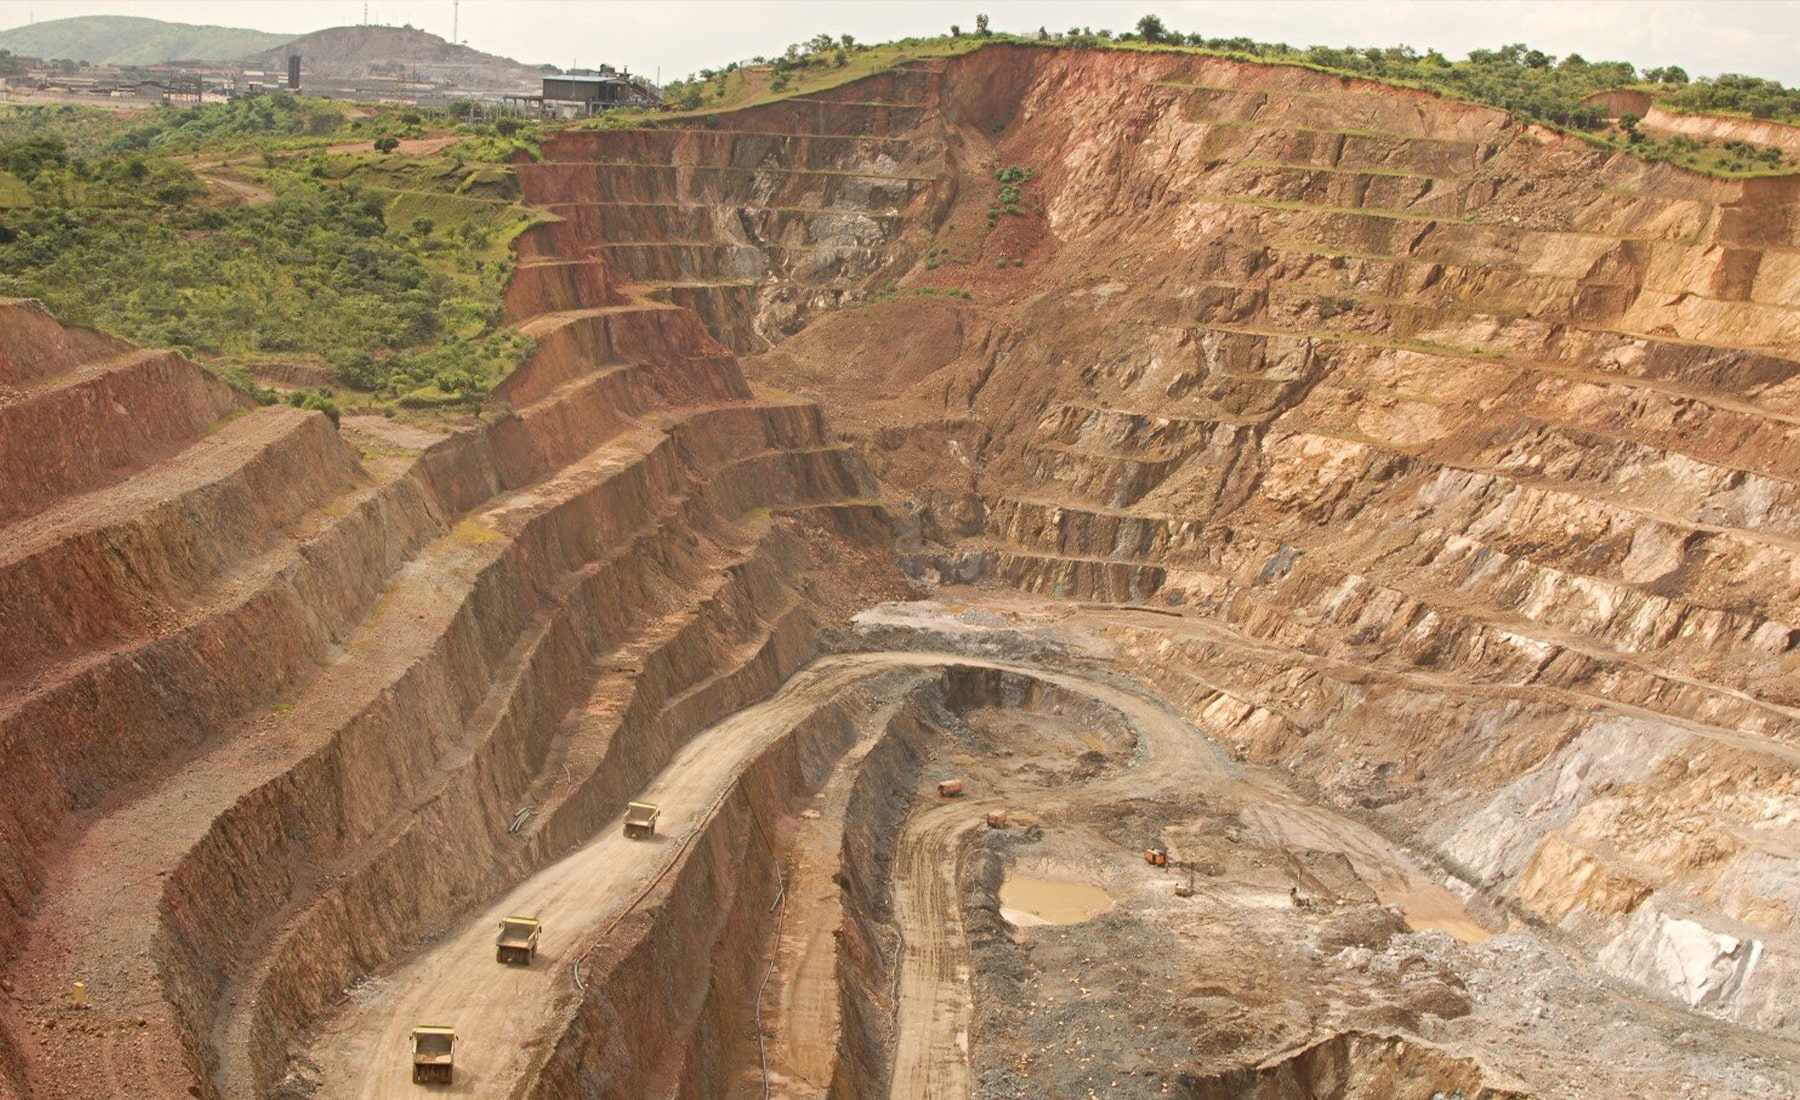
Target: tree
x: 955, y: 31
x: 981, y: 26
x: 386, y: 143
x: 1151, y: 29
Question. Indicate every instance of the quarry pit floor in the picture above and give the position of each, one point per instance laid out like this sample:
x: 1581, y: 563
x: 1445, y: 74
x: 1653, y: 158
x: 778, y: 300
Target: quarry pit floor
x: 1303, y: 923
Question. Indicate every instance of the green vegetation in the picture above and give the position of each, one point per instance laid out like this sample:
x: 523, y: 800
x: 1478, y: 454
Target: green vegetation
x: 1737, y: 94
x: 1011, y: 195
x: 242, y: 123
x: 1730, y: 158
x: 390, y: 271
x: 1515, y: 77
x: 893, y: 292
x: 132, y: 40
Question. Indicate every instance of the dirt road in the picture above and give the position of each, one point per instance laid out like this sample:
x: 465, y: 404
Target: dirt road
x: 936, y: 1006
x: 499, y: 1010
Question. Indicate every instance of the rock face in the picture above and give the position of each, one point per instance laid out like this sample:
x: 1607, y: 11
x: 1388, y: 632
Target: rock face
x: 762, y: 222
x: 285, y: 691
x: 1470, y: 444
x: 1441, y: 462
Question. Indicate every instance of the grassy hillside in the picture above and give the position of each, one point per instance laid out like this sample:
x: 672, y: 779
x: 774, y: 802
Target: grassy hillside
x: 130, y: 40
x: 272, y: 230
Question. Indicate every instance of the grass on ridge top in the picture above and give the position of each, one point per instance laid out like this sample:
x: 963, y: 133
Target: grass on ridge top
x: 1524, y: 82
x: 753, y: 85
x: 271, y: 231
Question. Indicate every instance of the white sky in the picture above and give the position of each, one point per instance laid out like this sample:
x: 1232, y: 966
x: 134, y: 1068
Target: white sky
x: 1761, y: 37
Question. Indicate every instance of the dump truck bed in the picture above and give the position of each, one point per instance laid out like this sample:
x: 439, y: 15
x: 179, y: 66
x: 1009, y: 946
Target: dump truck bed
x: 641, y: 813
x: 518, y: 931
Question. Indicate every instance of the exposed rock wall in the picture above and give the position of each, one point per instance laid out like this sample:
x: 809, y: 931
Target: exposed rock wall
x: 762, y: 218
x: 1721, y: 128
x: 650, y: 1019
x: 867, y: 958
x: 295, y: 696
x: 1352, y: 1066
x: 1463, y: 453
x: 1478, y: 435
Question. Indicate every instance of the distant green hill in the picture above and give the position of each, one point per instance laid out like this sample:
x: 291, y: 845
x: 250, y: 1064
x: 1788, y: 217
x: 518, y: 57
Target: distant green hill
x: 129, y: 40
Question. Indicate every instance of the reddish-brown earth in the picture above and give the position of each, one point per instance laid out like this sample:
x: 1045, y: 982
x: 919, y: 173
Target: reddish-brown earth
x: 1386, y: 507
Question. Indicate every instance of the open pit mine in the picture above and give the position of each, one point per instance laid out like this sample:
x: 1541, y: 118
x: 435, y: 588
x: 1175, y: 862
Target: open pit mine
x: 1306, y: 608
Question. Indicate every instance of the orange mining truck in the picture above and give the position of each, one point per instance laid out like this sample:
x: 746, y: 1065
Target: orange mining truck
x: 640, y: 820
x: 433, y: 1051
x: 517, y: 943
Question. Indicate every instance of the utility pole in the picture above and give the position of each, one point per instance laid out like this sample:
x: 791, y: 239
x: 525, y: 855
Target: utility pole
x: 455, y: 21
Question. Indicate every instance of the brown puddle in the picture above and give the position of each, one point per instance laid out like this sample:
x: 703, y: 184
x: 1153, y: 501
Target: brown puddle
x: 1427, y: 907
x: 1029, y: 901
x: 1465, y: 930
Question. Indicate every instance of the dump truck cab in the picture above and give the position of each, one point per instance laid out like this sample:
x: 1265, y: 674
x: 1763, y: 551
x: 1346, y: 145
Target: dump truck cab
x: 640, y: 820
x: 517, y: 943
x: 433, y: 1051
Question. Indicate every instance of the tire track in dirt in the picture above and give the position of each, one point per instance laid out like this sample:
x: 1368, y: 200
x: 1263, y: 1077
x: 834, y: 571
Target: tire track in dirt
x: 503, y: 1013
x: 936, y: 1005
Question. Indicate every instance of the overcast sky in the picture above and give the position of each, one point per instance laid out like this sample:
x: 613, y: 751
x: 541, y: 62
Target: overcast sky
x: 1761, y: 37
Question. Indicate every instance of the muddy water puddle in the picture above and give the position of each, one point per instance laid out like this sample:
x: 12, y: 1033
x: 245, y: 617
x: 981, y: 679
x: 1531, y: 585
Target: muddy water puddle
x: 1465, y: 930
x: 1031, y: 901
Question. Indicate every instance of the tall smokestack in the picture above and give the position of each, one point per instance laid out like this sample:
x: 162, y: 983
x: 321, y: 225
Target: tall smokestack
x: 294, y: 73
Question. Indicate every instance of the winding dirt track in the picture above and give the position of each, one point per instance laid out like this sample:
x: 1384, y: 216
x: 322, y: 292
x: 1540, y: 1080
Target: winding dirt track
x: 936, y: 1006
x: 498, y: 1010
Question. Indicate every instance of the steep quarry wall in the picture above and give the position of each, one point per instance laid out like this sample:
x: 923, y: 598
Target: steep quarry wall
x: 1477, y: 433
x: 293, y: 695
x: 1724, y: 128
x: 649, y: 1018
x: 759, y: 219
x: 1439, y: 463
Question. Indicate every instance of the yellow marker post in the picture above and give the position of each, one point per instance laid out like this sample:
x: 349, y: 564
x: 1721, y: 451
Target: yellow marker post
x: 80, y: 994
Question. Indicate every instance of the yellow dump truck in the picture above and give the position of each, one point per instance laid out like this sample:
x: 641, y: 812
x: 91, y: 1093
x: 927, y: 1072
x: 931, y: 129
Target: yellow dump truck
x: 518, y: 940
x: 640, y: 820
x: 433, y: 1051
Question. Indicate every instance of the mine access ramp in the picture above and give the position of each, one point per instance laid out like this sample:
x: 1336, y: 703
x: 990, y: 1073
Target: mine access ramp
x: 640, y: 820
x: 433, y: 1051
x: 517, y: 943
